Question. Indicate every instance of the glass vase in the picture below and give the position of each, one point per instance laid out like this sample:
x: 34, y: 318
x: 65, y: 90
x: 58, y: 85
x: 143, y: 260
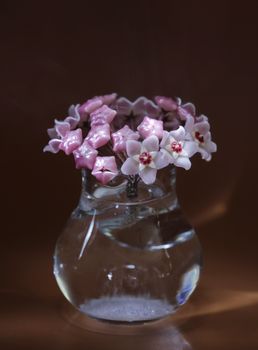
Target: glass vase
x: 127, y: 253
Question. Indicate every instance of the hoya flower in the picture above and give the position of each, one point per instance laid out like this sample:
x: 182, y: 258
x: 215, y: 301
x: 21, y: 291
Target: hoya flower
x: 105, y: 169
x: 94, y: 103
x: 120, y: 137
x: 65, y: 139
x: 71, y: 141
x: 200, y: 133
x: 98, y: 135
x: 167, y: 103
x: 102, y: 115
x: 132, y: 113
x: 178, y: 148
x: 150, y: 127
x: 85, y: 156
x: 144, y: 159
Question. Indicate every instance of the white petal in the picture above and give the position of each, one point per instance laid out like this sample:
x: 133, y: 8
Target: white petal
x: 148, y: 175
x: 178, y: 134
x: 190, y: 147
x: 151, y: 143
x: 183, y: 162
x: 130, y: 167
x: 133, y: 148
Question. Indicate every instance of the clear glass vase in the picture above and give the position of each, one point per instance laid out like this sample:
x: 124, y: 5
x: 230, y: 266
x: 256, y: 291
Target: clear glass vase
x: 127, y: 253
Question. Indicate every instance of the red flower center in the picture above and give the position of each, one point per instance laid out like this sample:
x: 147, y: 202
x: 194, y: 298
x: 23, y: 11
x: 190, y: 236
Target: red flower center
x: 176, y: 147
x: 145, y: 158
x: 199, y: 137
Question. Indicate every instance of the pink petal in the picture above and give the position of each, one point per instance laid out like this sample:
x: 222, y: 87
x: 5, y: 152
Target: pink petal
x: 150, y: 127
x: 102, y: 115
x: 130, y: 167
x: 166, y: 103
x: 85, y: 156
x: 120, y: 137
x: 105, y: 169
x: 190, y: 147
x: 62, y: 127
x: 183, y: 162
x: 162, y: 159
x: 148, y: 175
x: 151, y: 143
x: 74, y: 117
x: 53, y: 146
x: 178, y: 134
x: 88, y: 107
x: 152, y: 110
x: 108, y: 99
x: 98, y: 136
x: 189, y: 124
x: 124, y: 106
x: 133, y: 148
x: 190, y: 108
x: 139, y: 106
x: 52, y: 133
x: 71, y: 141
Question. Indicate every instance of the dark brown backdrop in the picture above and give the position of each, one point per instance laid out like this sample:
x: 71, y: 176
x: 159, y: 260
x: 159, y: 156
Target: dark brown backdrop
x: 60, y: 53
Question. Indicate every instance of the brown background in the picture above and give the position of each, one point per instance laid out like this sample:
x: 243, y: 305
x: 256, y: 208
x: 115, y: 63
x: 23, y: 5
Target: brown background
x: 56, y: 54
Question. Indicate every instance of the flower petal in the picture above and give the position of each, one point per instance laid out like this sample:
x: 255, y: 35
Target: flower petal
x: 85, y: 156
x: 62, y: 127
x: 71, y: 141
x: 151, y: 143
x: 102, y: 115
x: 178, y: 134
x: 148, y: 175
x: 190, y: 147
x: 183, y: 162
x: 99, y: 135
x: 120, y: 137
x: 130, y: 167
x: 133, y: 148
x: 53, y: 146
x: 162, y: 159
x: 150, y: 127
x: 166, y: 103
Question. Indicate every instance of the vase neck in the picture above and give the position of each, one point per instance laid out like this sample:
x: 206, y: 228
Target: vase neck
x: 127, y: 191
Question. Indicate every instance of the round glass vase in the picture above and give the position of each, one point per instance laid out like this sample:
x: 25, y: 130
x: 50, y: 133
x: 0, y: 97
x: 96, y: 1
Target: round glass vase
x: 127, y: 254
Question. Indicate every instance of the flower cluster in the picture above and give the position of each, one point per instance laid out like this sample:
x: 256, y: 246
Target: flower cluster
x: 110, y: 135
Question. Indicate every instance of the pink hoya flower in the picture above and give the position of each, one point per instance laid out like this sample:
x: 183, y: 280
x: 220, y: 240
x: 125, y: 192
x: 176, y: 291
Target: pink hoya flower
x: 85, y: 156
x: 144, y: 159
x: 98, y: 135
x: 175, y: 145
x: 105, y: 169
x: 150, y: 127
x: 102, y: 115
x: 132, y: 113
x: 71, y: 141
x: 94, y: 103
x: 69, y: 123
x: 200, y: 133
x: 120, y: 137
x: 66, y: 140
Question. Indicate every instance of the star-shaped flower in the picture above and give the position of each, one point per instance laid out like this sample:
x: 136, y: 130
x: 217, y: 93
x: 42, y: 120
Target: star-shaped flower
x: 102, y: 115
x: 200, y: 133
x: 94, y: 103
x: 65, y: 139
x: 178, y: 148
x: 85, y: 156
x: 150, y: 127
x: 120, y: 137
x: 99, y: 135
x: 144, y: 159
x: 132, y: 113
x: 105, y: 169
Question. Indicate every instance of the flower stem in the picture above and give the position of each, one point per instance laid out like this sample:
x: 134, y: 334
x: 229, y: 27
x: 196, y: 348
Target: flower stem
x: 132, y: 186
